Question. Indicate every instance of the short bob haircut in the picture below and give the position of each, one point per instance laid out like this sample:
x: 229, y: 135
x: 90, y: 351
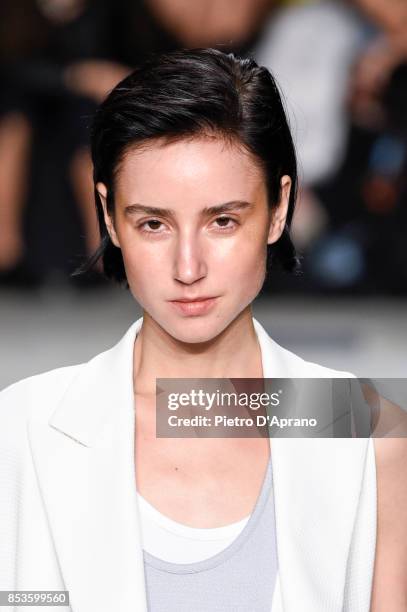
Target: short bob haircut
x: 188, y: 93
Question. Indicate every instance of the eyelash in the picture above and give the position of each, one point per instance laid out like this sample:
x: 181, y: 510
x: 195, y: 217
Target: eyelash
x: 226, y: 228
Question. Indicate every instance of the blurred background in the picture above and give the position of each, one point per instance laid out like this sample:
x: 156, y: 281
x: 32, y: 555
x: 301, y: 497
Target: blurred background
x: 342, y: 68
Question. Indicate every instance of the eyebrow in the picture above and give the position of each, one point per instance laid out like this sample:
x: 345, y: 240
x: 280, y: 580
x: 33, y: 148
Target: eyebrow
x: 132, y: 209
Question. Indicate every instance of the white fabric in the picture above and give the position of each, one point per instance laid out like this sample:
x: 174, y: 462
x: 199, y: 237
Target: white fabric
x: 68, y: 505
x: 171, y: 541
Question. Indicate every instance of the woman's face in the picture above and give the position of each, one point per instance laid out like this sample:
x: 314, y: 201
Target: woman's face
x: 192, y: 221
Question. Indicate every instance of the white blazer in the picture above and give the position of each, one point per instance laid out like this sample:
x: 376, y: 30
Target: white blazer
x: 68, y: 505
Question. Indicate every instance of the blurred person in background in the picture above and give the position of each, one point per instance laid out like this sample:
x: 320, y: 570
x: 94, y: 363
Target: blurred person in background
x: 384, y: 52
x: 59, y: 58
x: 64, y: 56
x: 367, y: 198
x: 311, y: 47
x: 335, y: 64
x: 43, y: 114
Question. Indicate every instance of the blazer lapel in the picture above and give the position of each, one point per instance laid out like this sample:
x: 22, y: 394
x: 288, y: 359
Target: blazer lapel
x: 85, y: 465
x: 317, y: 483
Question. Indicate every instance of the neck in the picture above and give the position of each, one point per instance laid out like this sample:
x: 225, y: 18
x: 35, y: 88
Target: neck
x: 234, y: 353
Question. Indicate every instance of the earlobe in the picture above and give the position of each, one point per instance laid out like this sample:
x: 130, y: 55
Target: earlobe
x: 279, y: 214
x: 102, y: 191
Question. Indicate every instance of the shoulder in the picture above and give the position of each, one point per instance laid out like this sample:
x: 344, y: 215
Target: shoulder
x: 391, y: 462
x: 390, y: 573
x: 37, y: 394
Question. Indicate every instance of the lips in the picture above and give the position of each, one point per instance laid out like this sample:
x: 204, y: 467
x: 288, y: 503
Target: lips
x: 194, y: 307
x: 196, y: 299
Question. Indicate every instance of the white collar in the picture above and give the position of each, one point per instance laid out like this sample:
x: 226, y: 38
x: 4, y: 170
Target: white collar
x: 109, y: 377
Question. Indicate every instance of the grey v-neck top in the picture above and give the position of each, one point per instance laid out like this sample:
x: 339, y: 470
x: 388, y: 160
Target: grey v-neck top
x: 240, y: 578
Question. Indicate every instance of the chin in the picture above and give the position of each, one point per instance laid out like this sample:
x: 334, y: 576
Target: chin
x: 195, y: 330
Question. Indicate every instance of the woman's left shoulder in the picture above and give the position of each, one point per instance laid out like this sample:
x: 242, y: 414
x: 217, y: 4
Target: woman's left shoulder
x: 390, y: 573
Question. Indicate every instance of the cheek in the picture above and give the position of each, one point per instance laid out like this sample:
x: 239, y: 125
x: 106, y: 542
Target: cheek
x: 142, y: 264
x: 253, y: 270
x: 244, y: 269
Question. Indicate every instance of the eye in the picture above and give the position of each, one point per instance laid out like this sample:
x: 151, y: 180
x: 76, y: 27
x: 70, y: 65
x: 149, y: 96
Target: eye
x: 153, y: 224
x: 226, y: 223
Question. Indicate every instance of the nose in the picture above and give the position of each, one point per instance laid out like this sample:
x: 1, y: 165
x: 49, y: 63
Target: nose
x: 189, y: 260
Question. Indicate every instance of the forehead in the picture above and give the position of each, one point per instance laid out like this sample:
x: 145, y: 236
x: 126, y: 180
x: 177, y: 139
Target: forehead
x: 204, y: 170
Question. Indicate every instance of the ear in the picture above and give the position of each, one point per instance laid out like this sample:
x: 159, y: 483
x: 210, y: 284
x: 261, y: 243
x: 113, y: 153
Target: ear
x: 279, y: 214
x: 102, y: 191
